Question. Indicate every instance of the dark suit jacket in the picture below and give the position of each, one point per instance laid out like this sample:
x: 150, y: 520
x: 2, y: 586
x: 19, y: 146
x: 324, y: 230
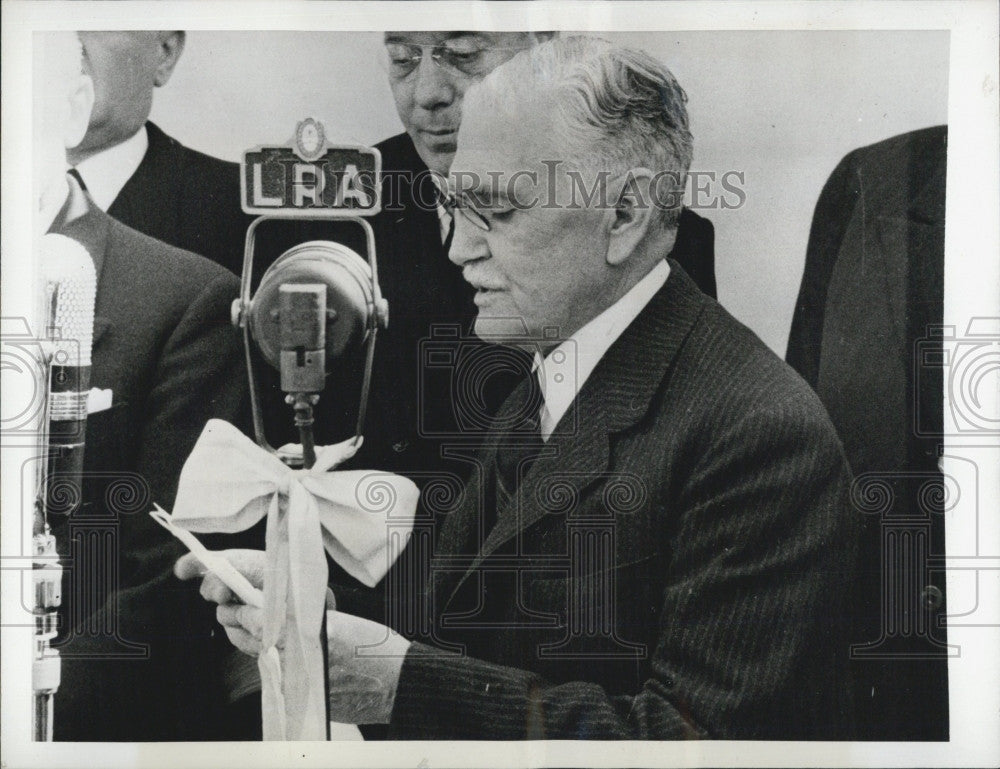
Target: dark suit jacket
x: 186, y: 199
x: 164, y: 346
x: 871, y: 291
x: 674, y: 566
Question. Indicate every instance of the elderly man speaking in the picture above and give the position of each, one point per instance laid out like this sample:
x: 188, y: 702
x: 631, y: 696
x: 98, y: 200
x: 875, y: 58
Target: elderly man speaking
x: 656, y: 541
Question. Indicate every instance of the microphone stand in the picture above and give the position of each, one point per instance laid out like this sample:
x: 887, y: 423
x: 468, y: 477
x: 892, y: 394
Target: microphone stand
x: 302, y: 402
x: 46, y: 666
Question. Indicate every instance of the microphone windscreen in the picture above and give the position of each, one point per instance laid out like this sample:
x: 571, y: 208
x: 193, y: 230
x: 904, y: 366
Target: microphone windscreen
x: 70, y: 285
x: 349, y: 300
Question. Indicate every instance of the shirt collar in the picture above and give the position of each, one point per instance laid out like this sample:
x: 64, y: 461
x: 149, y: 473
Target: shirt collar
x: 563, y: 372
x: 107, y: 172
x: 443, y: 212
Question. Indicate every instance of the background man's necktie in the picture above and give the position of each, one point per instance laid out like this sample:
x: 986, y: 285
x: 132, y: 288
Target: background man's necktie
x: 79, y: 179
x: 451, y: 234
x: 446, y: 203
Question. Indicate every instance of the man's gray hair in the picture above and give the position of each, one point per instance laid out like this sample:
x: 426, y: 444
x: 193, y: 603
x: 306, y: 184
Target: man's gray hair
x: 620, y: 108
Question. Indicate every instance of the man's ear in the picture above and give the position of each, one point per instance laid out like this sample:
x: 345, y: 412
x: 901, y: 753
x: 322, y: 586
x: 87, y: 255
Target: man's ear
x: 171, y: 48
x: 81, y: 104
x: 633, y: 215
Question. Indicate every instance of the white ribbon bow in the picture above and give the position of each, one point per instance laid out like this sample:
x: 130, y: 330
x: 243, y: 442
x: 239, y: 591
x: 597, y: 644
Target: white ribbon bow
x: 228, y: 484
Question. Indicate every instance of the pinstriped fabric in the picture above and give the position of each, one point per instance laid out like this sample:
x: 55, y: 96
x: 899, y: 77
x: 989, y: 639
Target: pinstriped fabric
x: 719, y: 579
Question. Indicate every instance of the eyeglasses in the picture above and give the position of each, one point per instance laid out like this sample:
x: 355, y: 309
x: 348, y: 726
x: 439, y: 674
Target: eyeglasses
x: 459, y: 203
x: 461, y: 56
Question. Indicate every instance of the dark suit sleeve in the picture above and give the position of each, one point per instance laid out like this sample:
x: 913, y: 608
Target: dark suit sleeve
x: 176, y: 691
x: 830, y: 220
x: 200, y: 375
x: 754, y: 579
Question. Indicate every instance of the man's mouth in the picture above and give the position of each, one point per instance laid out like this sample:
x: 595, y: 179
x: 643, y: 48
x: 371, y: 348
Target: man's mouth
x: 484, y: 293
x: 482, y: 286
x: 484, y: 296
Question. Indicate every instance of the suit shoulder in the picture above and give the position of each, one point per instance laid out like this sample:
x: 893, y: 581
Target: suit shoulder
x: 747, y: 376
x: 171, y: 269
x: 206, y: 170
x: 697, y: 223
x: 202, y: 168
x: 910, y: 150
x: 399, y: 154
x: 910, y: 144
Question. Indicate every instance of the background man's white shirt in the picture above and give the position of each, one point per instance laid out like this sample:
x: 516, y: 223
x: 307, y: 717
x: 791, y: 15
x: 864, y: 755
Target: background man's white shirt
x: 106, y: 173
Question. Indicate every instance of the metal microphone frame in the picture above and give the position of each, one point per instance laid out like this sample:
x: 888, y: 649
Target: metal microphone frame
x: 378, y: 314
x: 44, y: 551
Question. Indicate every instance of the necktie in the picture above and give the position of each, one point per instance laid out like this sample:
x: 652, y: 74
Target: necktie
x: 451, y: 234
x: 446, y: 203
x: 522, y: 440
x: 79, y: 179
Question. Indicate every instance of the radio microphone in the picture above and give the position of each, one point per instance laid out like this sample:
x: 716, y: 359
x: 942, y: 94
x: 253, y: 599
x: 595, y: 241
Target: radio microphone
x: 315, y: 303
x: 320, y: 299
x: 69, y: 285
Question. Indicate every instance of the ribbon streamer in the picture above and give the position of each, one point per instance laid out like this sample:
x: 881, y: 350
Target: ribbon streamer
x: 228, y: 484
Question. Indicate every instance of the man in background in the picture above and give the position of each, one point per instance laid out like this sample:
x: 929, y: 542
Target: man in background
x: 866, y: 335
x: 167, y: 360
x: 138, y: 174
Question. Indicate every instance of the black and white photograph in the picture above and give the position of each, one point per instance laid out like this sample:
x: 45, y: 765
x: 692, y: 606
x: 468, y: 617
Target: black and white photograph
x: 500, y: 384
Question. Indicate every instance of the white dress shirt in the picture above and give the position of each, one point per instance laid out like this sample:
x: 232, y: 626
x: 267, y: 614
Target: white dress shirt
x: 564, y: 371
x: 444, y: 215
x: 107, y: 172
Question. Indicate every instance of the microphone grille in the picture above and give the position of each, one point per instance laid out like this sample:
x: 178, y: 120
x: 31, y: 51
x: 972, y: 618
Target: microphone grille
x: 70, y: 292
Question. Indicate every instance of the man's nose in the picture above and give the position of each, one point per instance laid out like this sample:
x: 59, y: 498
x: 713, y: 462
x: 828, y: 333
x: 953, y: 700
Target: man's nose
x: 467, y: 242
x: 434, y: 86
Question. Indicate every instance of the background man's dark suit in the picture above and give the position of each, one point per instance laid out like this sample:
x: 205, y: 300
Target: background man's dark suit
x: 872, y: 287
x: 709, y: 489
x: 164, y: 346
x: 186, y: 199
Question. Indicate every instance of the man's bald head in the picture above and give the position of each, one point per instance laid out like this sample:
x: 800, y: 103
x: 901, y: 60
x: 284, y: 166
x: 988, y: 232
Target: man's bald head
x: 429, y: 73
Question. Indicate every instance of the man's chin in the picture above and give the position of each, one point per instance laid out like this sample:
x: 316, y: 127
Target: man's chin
x: 438, y: 156
x: 501, y: 330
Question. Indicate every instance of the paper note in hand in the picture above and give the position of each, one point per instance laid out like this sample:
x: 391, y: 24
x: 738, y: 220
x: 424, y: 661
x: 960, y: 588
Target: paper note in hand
x: 212, y: 561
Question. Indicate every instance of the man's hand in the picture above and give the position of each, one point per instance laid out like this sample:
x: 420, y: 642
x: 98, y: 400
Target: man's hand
x: 365, y: 661
x: 243, y: 624
x: 365, y: 657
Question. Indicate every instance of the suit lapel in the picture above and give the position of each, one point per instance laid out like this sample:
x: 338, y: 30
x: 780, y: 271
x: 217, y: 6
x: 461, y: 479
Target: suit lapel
x: 613, y: 399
